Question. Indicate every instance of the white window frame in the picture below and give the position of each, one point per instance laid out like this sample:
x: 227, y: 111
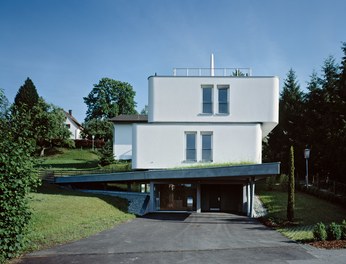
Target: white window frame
x: 207, y: 133
x: 186, y: 149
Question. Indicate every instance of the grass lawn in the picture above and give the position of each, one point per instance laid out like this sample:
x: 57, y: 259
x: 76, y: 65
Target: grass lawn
x: 70, y: 159
x: 60, y: 216
x: 77, y: 159
x: 309, y: 210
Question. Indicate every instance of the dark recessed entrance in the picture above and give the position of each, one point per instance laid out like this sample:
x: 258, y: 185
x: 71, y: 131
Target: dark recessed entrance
x: 221, y: 197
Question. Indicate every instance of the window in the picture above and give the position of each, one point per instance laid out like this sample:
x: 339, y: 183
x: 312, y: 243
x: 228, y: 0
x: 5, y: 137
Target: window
x: 191, y: 147
x: 207, y: 151
x: 223, y: 99
x: 68, y: 125
x: 207, y: 100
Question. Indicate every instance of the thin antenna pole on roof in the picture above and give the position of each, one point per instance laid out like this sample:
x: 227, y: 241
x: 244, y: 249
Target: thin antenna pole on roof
x: 212, y: 73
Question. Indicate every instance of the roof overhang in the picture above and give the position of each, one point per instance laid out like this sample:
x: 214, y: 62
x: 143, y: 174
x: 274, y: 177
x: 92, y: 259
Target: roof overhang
x: 241, y: 173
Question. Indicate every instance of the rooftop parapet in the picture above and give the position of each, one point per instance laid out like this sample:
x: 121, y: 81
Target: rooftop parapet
x: 203, y: 72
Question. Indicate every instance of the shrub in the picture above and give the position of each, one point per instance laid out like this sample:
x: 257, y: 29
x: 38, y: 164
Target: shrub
x: 270, y: 183
x: 283, y: 182
x: 343, y: 229
x: 319, y: 232
x: 334, y: 231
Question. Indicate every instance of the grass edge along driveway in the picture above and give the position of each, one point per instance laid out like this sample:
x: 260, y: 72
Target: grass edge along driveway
x: 309, y: 210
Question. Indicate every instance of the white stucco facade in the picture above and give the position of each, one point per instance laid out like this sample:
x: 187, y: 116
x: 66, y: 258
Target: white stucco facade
x: 236, y: 120
x: 159, y: 146
x: 122, y: 144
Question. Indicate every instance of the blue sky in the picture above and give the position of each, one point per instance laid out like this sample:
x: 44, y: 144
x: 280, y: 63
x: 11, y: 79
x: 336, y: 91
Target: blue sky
x: 66, y: 46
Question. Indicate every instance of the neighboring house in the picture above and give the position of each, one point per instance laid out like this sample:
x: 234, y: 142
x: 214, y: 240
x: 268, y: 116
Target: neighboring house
x: 73, y: 125
x: 200, y: 119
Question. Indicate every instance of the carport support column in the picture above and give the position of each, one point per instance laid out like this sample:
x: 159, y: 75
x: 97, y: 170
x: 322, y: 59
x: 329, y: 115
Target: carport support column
x: 252, y: 196
x: 152, y: 197
x: 198, y: 198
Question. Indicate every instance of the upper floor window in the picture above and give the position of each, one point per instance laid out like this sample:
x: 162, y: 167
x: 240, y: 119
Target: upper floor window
x: 191, y: 146
x: 223, y: 99
x: 207, y: 150
x: 207, y: 99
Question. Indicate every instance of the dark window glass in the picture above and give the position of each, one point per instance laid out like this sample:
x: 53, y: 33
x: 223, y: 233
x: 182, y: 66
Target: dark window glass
x: 207, y: 154
x: 207, y: 100
x: 223, y: 100
x: 191, y: 147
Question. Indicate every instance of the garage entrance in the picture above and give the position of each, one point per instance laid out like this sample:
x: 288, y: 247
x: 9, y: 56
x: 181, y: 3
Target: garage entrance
x: 221, y: 198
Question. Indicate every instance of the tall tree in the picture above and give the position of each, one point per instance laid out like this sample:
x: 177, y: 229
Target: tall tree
x: 291, y: 187
x: 290, y: 128
x: 27, y: 96
x: 110, y: 98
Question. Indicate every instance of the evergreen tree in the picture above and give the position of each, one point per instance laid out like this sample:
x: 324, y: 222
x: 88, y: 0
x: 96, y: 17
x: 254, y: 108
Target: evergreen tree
x: 27, y: 96
x: 291, y: 187
x: 290, y: 129
x: 3, y: 104
x: 107, y: 155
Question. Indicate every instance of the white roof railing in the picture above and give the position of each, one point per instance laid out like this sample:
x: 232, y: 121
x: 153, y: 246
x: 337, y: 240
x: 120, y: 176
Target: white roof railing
x: 216, y: 72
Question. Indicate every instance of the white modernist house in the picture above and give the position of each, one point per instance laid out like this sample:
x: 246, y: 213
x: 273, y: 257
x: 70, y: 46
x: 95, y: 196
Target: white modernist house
x: 73, y: 125
x: 200, y: 119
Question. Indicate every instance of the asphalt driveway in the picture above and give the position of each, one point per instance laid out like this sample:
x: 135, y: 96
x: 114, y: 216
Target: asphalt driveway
x: 185, y: 238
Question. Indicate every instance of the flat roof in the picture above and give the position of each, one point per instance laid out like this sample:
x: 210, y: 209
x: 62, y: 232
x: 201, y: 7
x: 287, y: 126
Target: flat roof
x: 130, y: 119
x: 242, y: 173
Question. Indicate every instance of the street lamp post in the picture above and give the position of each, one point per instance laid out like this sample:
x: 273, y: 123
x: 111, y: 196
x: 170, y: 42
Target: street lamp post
x: 307, y: 156
x: 93, y: 145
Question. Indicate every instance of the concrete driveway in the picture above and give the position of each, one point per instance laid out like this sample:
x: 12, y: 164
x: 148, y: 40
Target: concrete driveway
x: 185, y: 238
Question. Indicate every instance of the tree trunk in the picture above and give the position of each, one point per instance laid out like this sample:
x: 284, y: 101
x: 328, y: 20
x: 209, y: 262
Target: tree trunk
x: 42, y: 151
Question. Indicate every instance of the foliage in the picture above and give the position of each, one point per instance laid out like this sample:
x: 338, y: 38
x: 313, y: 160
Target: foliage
x: 107, y: 155
x: 320, y: 232
x: 3, y: 104
x: 315, y: 119
x: 17, y: 179
x: 49, y: 128
x: 289, y: 129
x: 110, y: 98
x: 101, y: 129
x: 333, y: 231
x: 283, y: 182
x: 144, y: 110
x: 27, y: 96
x: 343, y: 229
x: 44, y: 122
x: 291, y: 190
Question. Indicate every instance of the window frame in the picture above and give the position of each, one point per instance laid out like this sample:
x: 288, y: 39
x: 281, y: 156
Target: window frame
x: 189, y: 149
x: 207, y: 133
x: 211, y: 87
x: 227, y: 103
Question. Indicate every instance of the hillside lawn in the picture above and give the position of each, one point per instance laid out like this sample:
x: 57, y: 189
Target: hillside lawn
x: 309, y: 210
x: 60, y: 216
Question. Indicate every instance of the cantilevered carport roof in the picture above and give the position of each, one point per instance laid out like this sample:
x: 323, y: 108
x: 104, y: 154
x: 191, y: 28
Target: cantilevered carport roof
x: 242, y: 173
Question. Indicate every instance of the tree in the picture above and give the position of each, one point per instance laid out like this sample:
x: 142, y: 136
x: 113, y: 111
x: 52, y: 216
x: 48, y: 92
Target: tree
x: 291, y: 188
x: 3, y: 104
x: 291, y: 126
x: 49, y: 128
x: 27, y: 96
x: 110, y: 98
x: 17, y: 179
x: 107, y: 155
x: 144, y: 110
x: 101, y: 129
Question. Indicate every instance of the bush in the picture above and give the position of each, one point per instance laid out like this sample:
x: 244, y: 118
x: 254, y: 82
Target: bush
x: 334, y: 231
x: 319, y: 232
x: 343, y: 229
x: 270, y: 183
x: 283, y: 182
